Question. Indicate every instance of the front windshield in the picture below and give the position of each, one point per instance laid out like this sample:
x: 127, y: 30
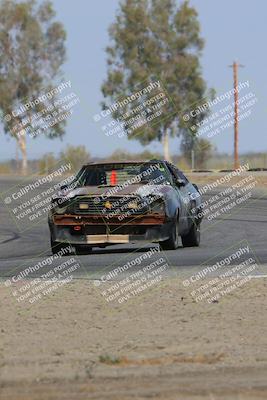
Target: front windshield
x: 117, y: 174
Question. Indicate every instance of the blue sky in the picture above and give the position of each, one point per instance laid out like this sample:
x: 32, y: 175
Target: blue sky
x: 231, y: 29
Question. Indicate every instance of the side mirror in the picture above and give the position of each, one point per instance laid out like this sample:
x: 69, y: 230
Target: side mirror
x: 180, y: 182
x: 195, y: 186
x: 63, y: 187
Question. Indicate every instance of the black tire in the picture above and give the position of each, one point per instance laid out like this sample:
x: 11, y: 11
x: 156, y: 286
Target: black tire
x: 192, y: 239
x: 173, y: 241
x: 82, y: 250
x: 56, y: 247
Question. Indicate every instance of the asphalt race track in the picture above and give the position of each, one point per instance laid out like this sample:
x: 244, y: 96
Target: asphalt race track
x: 246, y: 225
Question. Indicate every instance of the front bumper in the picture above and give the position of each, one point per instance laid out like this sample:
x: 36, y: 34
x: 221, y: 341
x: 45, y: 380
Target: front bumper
x: 94, y: 230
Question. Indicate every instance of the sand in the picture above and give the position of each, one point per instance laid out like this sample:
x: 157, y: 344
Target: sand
x: 161, y: 345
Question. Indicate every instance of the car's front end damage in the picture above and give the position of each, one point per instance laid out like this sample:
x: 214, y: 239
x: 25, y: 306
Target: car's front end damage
x: 97, y: 219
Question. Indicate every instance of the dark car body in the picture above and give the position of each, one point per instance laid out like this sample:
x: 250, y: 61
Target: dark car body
x: 126, y: 202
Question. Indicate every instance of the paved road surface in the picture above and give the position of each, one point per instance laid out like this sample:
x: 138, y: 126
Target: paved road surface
x: 246, y: 225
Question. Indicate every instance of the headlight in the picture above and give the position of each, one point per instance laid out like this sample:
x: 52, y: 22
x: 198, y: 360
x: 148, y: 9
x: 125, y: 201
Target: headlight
x: 83, y: 206
x: 133, y: 205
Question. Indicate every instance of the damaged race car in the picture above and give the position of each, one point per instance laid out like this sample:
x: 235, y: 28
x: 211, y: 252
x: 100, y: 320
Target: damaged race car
x: 126, y: 202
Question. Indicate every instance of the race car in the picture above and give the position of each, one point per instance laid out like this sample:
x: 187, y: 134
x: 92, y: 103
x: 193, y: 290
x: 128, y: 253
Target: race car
x: 111, y: 203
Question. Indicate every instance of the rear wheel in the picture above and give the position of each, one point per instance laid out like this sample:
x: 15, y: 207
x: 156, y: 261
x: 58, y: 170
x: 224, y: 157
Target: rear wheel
x: 173, y: 241
x: 192, y: 239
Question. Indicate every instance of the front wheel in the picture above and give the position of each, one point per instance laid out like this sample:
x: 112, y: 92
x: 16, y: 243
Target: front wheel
x: 192, y: 239
x: 173, y: 241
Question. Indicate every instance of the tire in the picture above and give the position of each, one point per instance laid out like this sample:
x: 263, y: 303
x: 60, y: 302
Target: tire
x: 173, y: 241
x: 192, y: 239
x: 82, y: 249
x: 56, y: 247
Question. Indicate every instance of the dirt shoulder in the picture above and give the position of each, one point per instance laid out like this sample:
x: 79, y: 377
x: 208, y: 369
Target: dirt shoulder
x: 161, y: 345
x: 204, y: 178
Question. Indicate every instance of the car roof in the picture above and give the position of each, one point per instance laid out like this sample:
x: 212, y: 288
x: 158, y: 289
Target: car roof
x: 123, y: 162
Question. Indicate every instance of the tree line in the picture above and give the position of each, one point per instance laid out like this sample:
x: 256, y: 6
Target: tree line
x: 150, y: 40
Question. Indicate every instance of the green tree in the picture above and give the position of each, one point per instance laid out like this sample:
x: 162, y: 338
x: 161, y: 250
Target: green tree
x: 124, y: 155
x: 76, y: 155
x: 156, y: 40
x: 32, y: 52
x: 204, y: 152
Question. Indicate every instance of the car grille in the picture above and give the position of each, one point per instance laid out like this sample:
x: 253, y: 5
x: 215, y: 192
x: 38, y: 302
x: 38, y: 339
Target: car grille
x: 110, y: 206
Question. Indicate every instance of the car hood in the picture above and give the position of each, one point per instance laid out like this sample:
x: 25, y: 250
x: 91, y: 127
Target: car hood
x: 141, y: 190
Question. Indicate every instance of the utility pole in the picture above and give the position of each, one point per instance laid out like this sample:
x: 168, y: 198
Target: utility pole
x: 235, y: 70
